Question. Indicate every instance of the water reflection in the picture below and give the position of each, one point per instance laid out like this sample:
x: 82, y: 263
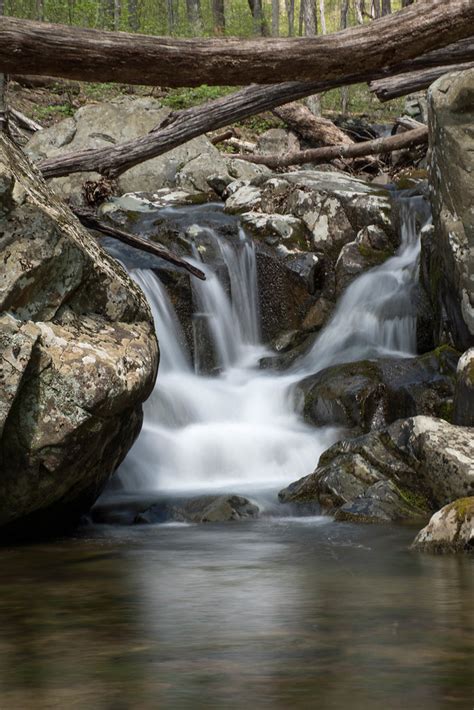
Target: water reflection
x: 264, y: 614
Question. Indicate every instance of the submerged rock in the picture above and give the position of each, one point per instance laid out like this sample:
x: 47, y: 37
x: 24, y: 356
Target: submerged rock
x: 202, y: 509
x: 451, y: 529
x: 79, y: 356
x: 422, y: 462
x: 220, y: 508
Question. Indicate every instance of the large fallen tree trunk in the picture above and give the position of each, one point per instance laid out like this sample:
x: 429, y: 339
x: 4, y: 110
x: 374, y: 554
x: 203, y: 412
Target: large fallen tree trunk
x: 75, y: 53
x: 400, y: 141
x: 396, y: 86
x: 182, y: 126
x: 311, y: 128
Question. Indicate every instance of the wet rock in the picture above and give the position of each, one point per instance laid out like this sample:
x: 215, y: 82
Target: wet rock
x: 464, y: 394
x: 450, y: 254
x: 451, y: 529
x: 202, y: 509
x: 79, y: 356
x: 318, y: 315
x: 104, y: 125
x: 355, y: 258
x: 424, y: 463
x: 373, y: 393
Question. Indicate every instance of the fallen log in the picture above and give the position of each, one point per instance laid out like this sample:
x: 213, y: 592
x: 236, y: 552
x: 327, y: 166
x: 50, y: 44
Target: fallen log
x: 311, y: 128
x: 400, y: 141
x: 89, y: 220
x: 181, y: 126
x: 221, y: 137
x: 28, y: 47
x: 404, y: 84
x: 25, y: 122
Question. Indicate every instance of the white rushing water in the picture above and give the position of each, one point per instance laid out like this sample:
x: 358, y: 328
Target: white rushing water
x: 240, y: 426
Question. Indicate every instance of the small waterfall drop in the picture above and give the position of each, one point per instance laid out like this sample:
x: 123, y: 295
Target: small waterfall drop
x: 240, y: 427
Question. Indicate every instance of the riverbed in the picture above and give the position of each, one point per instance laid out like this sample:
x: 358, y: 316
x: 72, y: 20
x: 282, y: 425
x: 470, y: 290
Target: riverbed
x: 277, y: 612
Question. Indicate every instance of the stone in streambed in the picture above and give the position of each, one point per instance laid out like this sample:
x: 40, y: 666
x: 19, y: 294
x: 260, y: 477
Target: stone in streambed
x: 451, y: 529
x: 201, y: 509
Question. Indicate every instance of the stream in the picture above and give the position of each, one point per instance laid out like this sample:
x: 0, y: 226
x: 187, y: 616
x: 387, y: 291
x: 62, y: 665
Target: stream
x: 283, y: 611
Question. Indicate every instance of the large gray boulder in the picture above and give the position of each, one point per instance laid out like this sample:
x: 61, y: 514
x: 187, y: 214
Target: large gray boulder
x: 408, y: 470
x: 78, y: 356
x: 448, y: 255
x: 103, y: 125
x: 451, y: 529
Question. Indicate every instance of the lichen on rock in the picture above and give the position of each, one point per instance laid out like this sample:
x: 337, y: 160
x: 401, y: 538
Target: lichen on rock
x: 79, y: 356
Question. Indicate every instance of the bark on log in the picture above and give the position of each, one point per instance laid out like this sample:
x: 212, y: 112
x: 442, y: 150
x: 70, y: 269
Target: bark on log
x: 221, y: 137
x: 311, y: 128
x: 89, y: 220
x: 182, y: 126
x: 356, y: 150
x: 76, y: 53
x: 404, y: 84
x: 25, y: 122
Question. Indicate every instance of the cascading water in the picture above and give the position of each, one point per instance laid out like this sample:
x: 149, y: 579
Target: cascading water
x: 240, y: 426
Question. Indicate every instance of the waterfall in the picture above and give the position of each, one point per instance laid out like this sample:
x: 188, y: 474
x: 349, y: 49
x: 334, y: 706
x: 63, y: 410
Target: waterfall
x: 240, y: 425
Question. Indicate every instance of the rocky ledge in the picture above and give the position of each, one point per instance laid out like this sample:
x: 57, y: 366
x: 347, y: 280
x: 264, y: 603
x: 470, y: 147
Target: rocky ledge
x: 78, y: 357
x: 405, y: 471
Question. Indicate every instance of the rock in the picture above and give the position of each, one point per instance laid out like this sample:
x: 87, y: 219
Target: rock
x: 245, y: 198
x: 451, y: 529
x: 79, y: 356
x: 318, y: 315
x: 103, y: 125
x: 450, y: 254
x: 277, y: 141
x: 355, y: 258
x: 464, y: 395
x: 373, y: 393
x: 424, y: 463
x: 203, y: 509
x: 243, y: 170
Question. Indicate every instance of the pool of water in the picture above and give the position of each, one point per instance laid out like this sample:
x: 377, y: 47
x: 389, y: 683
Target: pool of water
x: 277, y: 612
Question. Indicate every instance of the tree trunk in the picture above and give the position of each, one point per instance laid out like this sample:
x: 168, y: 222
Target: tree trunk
x: 376, y: 12
x: 133, y: 22
x: 193, y: 12
x: 182, y: 126
x: 313, y: 129
x: 275, y: 18
x: 39, y: 48
x: 172, y: 16
x: 400, y: 141
x: 259, y: 22
x: 218, y: 15
x: 386, y: 7
x: 322, y: 15
x: 117, y: 14
x: 360, y: 11
x: 345, y: 89
x: 290, y: 11
x: 3, y: 93
x: 404, y: 84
